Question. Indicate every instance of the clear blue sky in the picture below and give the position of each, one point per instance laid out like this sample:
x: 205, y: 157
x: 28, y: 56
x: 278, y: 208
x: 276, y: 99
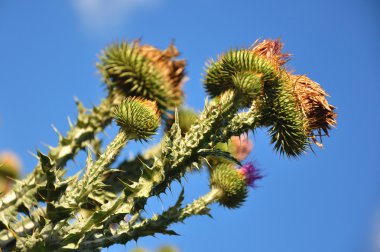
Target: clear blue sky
x: 325, y: 202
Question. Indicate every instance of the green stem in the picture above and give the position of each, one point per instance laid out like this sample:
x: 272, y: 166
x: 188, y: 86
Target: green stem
x: 151, y: 226
x: 90, y: 181
x: 87, y: 126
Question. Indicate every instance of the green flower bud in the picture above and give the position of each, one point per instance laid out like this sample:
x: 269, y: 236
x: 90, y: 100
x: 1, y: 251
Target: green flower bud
x: 138, y: 117
x: 239, y: 70
x: 231, y: 183
x: 131, y: 69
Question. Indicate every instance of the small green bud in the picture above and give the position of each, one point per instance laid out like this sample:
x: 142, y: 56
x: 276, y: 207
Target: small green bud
x: 138, y: 117
x: 232, y: 184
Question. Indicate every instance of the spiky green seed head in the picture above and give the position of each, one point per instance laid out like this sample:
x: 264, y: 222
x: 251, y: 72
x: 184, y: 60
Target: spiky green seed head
x: 232, y: 184
x: 138, y: 117
x: 131, y: 69
x: 246, y: 70
x: 241, y: 71
x: 283, y: 117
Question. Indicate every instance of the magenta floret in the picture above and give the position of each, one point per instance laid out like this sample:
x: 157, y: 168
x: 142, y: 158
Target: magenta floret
x: 250, y: 173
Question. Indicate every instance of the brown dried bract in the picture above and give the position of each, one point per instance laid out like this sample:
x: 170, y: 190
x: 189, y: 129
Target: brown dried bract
x: 172, y: 70
x: 312, y: 99
x: 272, y: 50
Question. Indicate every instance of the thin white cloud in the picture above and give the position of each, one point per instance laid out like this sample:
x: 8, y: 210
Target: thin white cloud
x: 101, y: 15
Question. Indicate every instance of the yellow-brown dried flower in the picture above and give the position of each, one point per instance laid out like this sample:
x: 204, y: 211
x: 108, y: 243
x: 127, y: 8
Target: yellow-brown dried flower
x: 313, y: 103
x: 271, y: 50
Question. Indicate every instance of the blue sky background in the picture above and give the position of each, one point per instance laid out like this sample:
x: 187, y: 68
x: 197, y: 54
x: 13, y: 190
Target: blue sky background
x: 329, y: 201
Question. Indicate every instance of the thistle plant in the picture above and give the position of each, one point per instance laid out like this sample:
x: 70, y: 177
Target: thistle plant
x: 249, y: 88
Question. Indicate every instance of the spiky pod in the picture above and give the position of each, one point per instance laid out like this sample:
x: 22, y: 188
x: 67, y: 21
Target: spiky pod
x: 131, y: 69
x: 239, y: 70
x: 287, y: 125
x: 138, y: 117
x: 231, y: 184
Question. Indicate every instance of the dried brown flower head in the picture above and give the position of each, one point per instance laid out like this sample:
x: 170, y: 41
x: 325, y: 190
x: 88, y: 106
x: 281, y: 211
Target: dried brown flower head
x: 271, y: 50
x: 312, y: 100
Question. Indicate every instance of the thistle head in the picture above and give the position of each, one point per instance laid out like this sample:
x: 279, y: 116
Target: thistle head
x: 231, y: 183
x: 131, y: 69
x: 272, y: 51
x: 312, y: 101
x: 138, y: 117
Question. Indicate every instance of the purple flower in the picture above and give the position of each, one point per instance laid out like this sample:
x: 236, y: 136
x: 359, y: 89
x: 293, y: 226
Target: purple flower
x: 250, y: 173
